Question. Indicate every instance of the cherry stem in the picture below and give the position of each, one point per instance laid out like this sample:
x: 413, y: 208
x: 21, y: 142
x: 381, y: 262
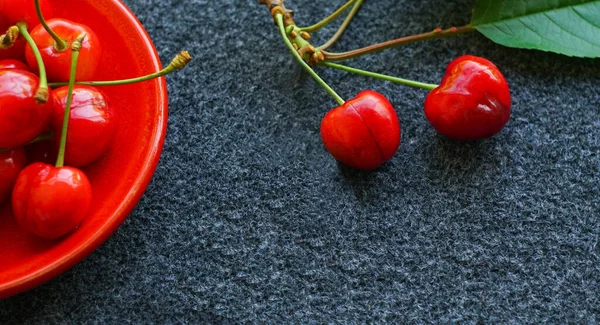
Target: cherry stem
x: 178, y: 63
x: 437, y: 33
x: 366, y: 73
x: 42, y: 93
x: 75, y: 48
x: 59, y: 43
x: 343, y: 27
x: 329, y: 19
x: 288, y: 43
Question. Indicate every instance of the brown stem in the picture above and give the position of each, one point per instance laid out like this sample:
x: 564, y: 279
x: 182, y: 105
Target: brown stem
x: 437, y: 33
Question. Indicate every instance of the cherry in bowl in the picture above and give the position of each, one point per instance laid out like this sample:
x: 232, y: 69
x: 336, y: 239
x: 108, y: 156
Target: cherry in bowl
x: 118, y: 178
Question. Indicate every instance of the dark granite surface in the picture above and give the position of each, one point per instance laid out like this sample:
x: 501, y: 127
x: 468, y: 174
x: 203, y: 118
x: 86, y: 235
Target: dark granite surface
x: 249, y: 220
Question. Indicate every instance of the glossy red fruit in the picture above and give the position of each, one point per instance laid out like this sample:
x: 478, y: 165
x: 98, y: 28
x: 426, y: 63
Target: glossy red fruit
x: 363, y: 133
x: 13, y: 64
x: 51, y: 201
x: 58, y: 63
x: 14, y: 11
x: 472, y: 102
x: 21, y: 118
x: 11, y: 163
x: 16, y: 52
x: 118, y: 180
x: 92, y: 124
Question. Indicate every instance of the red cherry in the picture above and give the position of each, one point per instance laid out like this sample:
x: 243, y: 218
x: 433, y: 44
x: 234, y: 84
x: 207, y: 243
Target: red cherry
x: 14, y: 11
x: 11, y: 163
x: 92, y: 124
x: 17, y: 51
x: 58, y: 63
x: 13, y: 64
x: 51, y: 201
x: 363, y: 133
x: 21, y: 118
x: 472, y: 102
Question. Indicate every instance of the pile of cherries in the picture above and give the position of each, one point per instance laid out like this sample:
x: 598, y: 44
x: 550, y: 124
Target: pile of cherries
x: 39, y: 160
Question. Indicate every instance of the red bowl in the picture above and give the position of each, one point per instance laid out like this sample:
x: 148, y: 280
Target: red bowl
x: 121, y: 176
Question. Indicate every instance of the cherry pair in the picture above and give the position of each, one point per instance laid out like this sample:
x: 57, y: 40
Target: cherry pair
x: 22, y: 119
x: 471, y: 103
x: 92, y: 121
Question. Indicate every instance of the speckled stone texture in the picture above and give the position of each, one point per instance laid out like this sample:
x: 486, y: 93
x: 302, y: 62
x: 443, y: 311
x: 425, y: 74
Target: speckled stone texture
x: 249, y: 220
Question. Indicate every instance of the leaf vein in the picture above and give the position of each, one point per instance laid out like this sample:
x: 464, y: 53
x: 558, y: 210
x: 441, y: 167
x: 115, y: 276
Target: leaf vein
x: 584, y: 18
x: 542, y: 37
x: 568, y: 31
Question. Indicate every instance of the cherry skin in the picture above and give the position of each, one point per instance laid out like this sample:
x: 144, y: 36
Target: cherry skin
x: 11, y: 163
x: 363, y: 133
x: 21, y: 118
x: 51, y: 201
x: 16, y: 52
x: 58, y: 63
x: 13, y: 64
x: 92, y: 124
x: 14, y: 11
x: 472, y: 102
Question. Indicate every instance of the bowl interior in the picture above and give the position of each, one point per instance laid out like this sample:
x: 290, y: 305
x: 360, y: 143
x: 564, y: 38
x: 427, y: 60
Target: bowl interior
x: 121, y: 176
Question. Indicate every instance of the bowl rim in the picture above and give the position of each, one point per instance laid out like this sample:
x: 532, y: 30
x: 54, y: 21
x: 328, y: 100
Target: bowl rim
x: 148, y: 166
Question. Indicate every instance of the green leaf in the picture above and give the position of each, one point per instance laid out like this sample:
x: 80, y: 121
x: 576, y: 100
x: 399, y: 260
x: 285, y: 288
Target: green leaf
x: 569, y: 27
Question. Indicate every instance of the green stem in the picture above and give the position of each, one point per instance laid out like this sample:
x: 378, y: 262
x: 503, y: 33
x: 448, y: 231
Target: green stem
x: 60, y: 44
x: 42, y: 93
x: 75, y: 47
x: 343, y: 27
x: 438, y: 33
x: 327, y: 20
x: 320, y: 81
x: 178, y: 63
x: 365, y: 73
x: 158, y: 74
